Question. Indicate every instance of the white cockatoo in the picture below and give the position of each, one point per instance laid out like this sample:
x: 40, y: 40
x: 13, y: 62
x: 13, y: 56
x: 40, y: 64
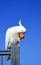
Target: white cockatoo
x: 14, y: 35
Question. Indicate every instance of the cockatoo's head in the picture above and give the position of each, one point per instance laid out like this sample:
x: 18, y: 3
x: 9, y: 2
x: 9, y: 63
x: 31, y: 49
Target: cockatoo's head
x: 21, y: 30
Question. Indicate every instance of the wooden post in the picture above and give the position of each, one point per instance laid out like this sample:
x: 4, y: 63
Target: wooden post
x: 15, y: 55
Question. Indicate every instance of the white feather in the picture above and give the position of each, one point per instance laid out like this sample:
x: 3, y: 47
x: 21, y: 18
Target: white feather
x: 12, y: 35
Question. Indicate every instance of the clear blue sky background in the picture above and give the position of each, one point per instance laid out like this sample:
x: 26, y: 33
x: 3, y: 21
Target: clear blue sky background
x: 11, y: 11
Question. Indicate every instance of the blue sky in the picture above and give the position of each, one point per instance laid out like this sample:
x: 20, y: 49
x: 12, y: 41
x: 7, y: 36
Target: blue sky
x: 29, y: 11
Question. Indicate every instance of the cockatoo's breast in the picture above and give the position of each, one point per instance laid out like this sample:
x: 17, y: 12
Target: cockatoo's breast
x: 15, y: 39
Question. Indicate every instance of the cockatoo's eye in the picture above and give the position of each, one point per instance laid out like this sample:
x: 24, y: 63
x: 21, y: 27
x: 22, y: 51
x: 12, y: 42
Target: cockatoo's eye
x: 22, y: 30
